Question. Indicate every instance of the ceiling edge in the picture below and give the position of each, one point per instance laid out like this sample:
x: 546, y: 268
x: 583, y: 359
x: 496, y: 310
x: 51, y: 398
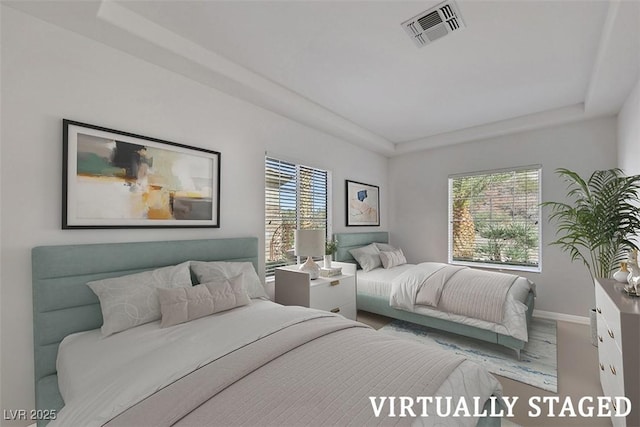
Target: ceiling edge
x: 248, y: 85
x: 569, y: 114
x: 603, y: 44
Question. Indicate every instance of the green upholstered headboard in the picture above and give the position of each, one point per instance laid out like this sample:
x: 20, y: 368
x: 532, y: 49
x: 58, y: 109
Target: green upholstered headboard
x: 63, y: 304
x: 348, y: 241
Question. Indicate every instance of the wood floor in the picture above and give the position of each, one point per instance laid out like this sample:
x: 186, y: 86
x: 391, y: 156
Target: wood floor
x: 577, y: 375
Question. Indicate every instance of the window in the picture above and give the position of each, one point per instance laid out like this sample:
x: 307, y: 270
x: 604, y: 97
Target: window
x: 296, y: 196
x: 494, y: 219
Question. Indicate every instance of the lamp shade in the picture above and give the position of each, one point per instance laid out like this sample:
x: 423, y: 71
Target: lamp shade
x: 309, y: 243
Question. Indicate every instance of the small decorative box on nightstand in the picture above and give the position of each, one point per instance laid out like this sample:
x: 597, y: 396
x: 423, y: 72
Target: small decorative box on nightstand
x: 336, y: 294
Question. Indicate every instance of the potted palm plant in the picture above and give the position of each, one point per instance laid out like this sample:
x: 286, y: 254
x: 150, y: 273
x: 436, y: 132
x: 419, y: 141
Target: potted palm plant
x: 597, y: 224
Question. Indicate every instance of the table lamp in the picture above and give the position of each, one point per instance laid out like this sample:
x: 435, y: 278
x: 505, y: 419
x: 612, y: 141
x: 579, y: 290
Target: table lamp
x: 309, y: 243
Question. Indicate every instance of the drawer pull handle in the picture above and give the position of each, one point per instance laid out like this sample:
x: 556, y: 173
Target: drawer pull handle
x: 601, y: 367
x: 598, y: 310
x: 613, y: 369
x: 335, y: 283
x: 610, y: 332
x: 600, y: 338
x: 336, y: 310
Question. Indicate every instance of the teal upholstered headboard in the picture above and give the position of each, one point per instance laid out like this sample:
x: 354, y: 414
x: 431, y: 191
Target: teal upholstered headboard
x: 63, y: 304
x: 348, y: 241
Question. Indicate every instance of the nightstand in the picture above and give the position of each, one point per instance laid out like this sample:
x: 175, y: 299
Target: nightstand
x: 336, y: 294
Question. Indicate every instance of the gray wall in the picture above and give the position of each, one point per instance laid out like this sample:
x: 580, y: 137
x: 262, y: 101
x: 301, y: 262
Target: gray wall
x: 629, y: 136
x: 629, y: 133
x: 419, y: 201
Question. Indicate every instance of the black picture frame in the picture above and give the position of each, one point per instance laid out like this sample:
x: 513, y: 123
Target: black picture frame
x: 116, y: 179
x: 362, y: 204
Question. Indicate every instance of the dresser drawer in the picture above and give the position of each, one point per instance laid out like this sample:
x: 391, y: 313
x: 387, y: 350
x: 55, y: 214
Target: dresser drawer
x: 610, y: 363
x: 611, y: 376
x: 618, y: 326
x: 613, y: 391
x: 331, y: 294
x: 611, y: 316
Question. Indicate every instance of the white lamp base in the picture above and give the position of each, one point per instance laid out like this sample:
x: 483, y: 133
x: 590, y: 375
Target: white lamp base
x: 310, y: 267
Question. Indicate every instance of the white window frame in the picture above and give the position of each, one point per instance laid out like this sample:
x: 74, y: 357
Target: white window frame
x: 329, y: 220
x: 491, y: 265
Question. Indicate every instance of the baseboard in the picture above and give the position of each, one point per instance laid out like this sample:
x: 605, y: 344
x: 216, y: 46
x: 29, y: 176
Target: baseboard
x: 551, y: 315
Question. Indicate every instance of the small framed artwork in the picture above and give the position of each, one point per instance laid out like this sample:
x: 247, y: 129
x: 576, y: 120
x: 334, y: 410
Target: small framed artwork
x: 363, y: 204
x: 114, y: 179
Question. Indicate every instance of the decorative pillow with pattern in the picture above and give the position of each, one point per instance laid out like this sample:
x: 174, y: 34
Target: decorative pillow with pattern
x: 217, y: 271
x: 384, y: 247
x: 392, y: 258
x: 132, y: 300
x: 181, y: 305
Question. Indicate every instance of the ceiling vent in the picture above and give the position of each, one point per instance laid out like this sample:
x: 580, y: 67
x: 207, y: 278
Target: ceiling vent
x: 434, y: 23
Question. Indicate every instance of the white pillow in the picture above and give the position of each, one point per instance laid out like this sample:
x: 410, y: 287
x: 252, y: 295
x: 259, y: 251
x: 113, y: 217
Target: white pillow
x: 132, y: 300
x: 392, y: 258
x: 384, y: 247
x: 181, y: 305
x: 367, y: 256
x: 217, y: 271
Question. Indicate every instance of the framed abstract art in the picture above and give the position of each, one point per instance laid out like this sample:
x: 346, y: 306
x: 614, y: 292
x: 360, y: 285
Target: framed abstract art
x: 363, y: 204
x: 114, y: 179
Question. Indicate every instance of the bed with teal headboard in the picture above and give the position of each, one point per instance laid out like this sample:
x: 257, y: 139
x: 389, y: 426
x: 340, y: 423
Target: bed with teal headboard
x: 63, y: 304
x: 380, y: 304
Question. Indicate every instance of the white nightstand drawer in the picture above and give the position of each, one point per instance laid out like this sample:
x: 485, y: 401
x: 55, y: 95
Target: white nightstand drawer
x: 336, y: 294
x: 333, y: 293
x: 348, y: 311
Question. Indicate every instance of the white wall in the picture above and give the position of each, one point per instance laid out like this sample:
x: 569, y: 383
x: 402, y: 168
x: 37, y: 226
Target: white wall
x: 49, y: 74
x: 419, y: 205
x: 1, y: 237
x: 629, y: 133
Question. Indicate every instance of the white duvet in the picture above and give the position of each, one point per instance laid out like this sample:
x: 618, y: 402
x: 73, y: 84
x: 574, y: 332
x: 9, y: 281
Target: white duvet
x: 95, y: 374
x: 378, y: 282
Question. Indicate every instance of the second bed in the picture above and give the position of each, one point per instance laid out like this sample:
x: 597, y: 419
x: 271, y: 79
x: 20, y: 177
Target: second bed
x: 375, y: 287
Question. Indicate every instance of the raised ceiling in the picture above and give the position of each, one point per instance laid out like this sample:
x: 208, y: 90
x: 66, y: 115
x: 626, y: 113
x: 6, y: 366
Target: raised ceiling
x: 348, y: 68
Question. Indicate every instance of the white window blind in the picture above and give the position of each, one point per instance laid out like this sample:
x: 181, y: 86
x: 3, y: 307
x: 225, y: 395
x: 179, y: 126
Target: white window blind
x: 494, y: 219
x: 296, y: 196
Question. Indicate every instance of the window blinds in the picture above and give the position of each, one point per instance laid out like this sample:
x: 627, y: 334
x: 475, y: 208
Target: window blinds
x: 495, y: 218
x: 295, y: 197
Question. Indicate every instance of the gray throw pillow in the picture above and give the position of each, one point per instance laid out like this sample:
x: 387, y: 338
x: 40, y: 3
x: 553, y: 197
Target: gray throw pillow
x: 392, y: 258
x: 132, y: 300
x: 368, y: 257
x: 217, y: 271
x: 384, y: 247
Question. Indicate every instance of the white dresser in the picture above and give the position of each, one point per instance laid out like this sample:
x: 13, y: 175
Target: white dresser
x: 336, y: 294
x: 619, y: 346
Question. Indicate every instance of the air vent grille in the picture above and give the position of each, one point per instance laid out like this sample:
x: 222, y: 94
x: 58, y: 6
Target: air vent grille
x: 434, y: 23
x: 430, y: 20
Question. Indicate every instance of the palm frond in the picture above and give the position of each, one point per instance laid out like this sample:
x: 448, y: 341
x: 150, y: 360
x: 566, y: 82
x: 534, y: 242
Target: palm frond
x: 602, y: 216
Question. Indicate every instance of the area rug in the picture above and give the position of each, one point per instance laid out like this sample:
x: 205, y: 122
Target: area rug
x: 537, y: 365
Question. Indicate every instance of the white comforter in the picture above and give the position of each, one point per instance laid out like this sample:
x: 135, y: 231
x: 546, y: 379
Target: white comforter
x: 378, y: 282
x: 95, y: 374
